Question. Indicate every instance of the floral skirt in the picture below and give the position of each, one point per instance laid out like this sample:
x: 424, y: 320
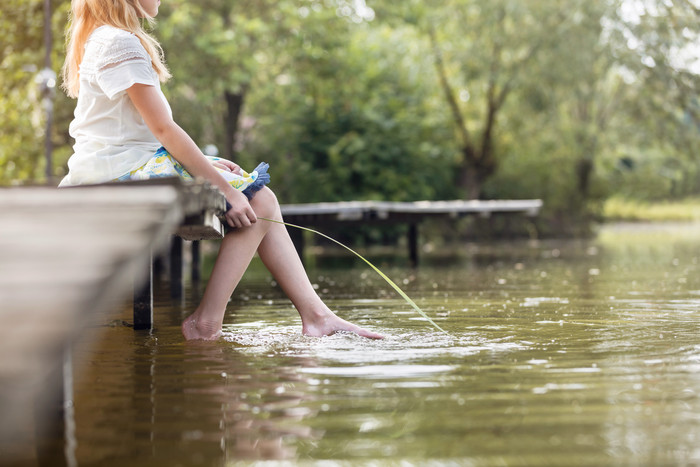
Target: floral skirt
x: 162, y: 164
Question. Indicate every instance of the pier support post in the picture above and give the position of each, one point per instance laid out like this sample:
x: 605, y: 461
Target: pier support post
x: 196, y: 262
x: 176, y: 248
x: 413, y: 244
x: 143, y: 299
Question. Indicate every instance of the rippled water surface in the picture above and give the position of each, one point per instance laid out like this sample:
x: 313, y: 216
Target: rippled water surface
x: 557, y: 353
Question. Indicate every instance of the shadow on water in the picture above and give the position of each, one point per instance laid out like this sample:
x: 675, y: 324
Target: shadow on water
x: 557, y: 353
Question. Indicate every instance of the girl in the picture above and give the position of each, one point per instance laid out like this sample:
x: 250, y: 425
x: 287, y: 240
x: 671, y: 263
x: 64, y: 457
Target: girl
x: 122, y: 118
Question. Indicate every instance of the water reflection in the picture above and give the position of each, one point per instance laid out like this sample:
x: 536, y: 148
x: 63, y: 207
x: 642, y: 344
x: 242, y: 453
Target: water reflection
x: 557, y: 353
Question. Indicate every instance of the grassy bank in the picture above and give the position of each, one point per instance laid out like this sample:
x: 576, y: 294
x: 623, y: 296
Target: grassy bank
x: 619, y: 209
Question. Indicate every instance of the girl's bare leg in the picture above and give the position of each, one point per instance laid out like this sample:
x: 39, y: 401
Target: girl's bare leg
x: 279, y: 255
x: 235, y: 253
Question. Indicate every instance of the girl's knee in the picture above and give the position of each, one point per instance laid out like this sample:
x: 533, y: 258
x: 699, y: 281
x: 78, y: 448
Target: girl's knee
x: 265, y: 203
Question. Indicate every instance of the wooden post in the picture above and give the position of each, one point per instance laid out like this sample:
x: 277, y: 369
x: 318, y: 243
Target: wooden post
x: 176, y: 267
x: 413, y: 243
x: 196, y: 262
x: 143, y: 299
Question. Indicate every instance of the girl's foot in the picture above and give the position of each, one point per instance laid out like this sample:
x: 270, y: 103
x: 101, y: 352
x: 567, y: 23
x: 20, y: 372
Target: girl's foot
x: 195, y: 329
x: 328, y: 324
x: 325, y: 325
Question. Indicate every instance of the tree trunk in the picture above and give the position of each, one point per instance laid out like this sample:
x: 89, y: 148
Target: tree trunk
x: 469, y: 181
x: 584, y: 169
x: 234, y: 109
x: 474, y: 170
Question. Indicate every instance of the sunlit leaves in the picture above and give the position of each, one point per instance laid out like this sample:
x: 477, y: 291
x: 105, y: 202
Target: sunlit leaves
x: 347, y: 93
x: 22, y: 116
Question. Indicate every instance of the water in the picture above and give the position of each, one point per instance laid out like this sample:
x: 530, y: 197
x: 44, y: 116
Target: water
x: 557, y: 353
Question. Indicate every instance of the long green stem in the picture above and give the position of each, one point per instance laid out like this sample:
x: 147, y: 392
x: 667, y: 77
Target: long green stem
x: 384, y: 276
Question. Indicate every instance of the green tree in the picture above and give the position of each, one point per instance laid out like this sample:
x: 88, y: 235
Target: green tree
x: 219, y: 50
x: 656, y: 44
x: 326, y: 96
x: 483, y: 53
x: 571, y: 104
x: 22, y: 116
x: 366, y: 122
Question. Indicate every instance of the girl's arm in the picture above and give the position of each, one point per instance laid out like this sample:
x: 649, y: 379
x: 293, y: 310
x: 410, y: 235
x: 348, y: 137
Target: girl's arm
x: 178, y: 143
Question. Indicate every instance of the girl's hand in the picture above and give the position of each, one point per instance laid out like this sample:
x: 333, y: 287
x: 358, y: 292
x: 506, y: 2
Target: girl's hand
x: 240, y: 214
x: 227, y: 166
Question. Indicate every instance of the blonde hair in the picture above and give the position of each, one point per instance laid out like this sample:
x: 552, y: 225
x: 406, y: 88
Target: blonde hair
x: 86, y: 16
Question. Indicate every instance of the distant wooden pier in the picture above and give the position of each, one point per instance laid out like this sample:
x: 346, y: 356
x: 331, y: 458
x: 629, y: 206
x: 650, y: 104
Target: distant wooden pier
x: 411, y: 213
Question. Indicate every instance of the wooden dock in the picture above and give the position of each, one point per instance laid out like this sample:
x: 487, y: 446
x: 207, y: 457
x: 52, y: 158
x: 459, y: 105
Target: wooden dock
x: 69, y: 253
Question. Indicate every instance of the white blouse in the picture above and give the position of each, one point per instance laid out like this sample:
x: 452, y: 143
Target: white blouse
x: 111, y: 138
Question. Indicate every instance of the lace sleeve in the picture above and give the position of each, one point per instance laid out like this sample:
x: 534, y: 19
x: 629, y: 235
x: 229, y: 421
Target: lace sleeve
x: 122, y: 63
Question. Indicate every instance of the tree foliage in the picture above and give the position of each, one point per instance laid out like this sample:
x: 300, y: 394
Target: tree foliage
x: 570, y: 101
x: 22, y: 117
x: 657, y: 44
